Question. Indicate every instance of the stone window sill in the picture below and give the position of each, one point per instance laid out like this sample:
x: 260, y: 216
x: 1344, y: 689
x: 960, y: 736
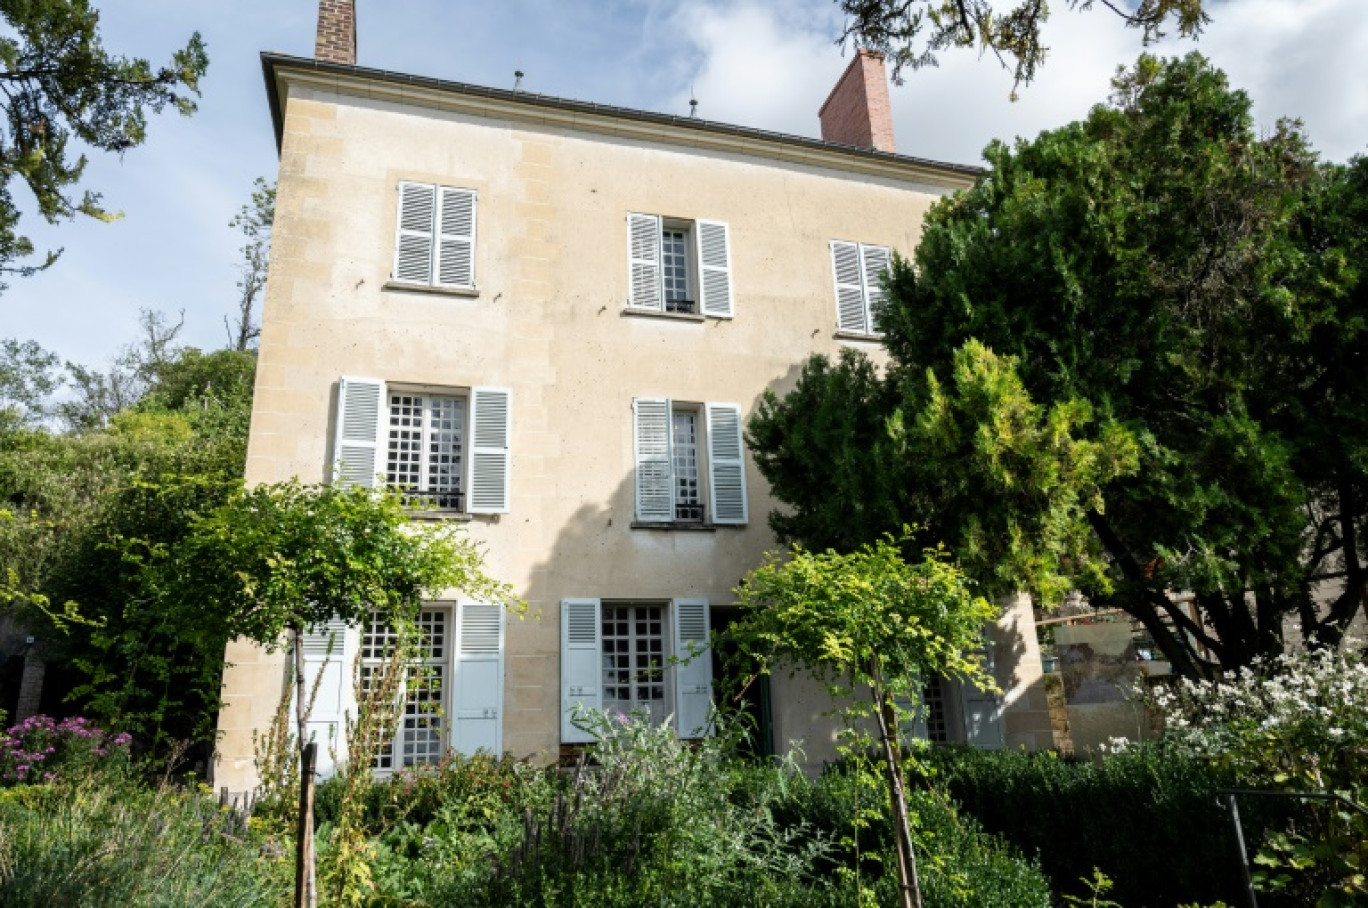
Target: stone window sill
x: 631, y: 312
x: 402, y: 287
x: 682, y: 527
x: 856, y: 336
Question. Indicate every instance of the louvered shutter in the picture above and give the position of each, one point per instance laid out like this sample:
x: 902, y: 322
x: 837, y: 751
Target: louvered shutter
x: 874, y: 261
x: 413, y: 240
x: 329, y: 651
x: 693, y: 668
x: 455, y: 238
x: 982, y: 711
x: 477, y: 682
x: 581, y: 664
x: 490, y: 437
x: 714, y: 267
x: 357, y: 449
x: 726, y: 464
x: 850, y: 303
x: 643, y: 252
x: 654, y: 472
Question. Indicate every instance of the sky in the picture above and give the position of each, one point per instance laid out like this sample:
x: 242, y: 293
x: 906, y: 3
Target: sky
x: 767, y: 64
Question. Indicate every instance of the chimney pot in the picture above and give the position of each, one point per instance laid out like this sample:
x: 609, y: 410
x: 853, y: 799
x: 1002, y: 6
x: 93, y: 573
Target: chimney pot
x: 857, y: 111
x: 336, y: 41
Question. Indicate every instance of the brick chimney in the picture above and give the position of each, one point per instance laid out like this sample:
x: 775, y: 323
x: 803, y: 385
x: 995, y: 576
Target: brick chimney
x: 857, y: 112
x: 336, y: 32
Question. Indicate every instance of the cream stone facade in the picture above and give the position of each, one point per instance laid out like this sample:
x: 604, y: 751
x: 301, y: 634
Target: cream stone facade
x: 554, y: 328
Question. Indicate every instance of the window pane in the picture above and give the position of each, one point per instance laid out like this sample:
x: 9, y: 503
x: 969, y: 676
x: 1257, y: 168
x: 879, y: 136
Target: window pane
x: 688, y: 501
x: 674, y: 261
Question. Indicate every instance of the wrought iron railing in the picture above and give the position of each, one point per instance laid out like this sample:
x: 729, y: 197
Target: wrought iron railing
x: 434, y: 499
x: 687, y: 511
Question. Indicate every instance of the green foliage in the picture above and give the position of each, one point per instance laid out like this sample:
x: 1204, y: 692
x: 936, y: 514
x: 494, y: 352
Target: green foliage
x: 913, y: 34
x: 1298, y: 723
x: 289, y: 555
x: 865, y: 620
x: 108, y: 841
x: 28, y: 377
x: 41, y: 749
x: 1147, y: 816
x: 62, y: 85
x: 1150, y: 329
x: 648, y: 819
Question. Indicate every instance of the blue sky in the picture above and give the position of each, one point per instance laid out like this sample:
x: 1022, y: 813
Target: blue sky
x: 761, y: 63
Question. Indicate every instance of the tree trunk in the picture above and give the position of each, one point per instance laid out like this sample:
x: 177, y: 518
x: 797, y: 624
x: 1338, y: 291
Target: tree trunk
x: 909, y: 888
x: 306, y: 894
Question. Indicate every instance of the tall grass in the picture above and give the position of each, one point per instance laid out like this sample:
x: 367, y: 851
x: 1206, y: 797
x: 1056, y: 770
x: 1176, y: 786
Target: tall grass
x: 104, y: 840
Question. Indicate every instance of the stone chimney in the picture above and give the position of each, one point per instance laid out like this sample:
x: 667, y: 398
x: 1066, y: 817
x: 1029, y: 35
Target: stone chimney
x: 857, y: 112
x: 336, y: 32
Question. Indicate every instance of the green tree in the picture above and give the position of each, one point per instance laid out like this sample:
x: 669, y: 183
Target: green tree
x: 913, y: 33
x: 28, y: 377
x: 872, y: 623
x: 61, y: 84
x: 1170, y: 286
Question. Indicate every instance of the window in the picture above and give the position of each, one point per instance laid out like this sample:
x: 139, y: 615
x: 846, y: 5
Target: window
x: 450, y: 697
x: 627, y: 656
x: 421, y: 735
x: 434, y: 242
x: 447, y: 450
x: 858, y: 269
x: 426, y: 437
x: 634, y: 659
x: 669, y: 441
x: 680, y: 267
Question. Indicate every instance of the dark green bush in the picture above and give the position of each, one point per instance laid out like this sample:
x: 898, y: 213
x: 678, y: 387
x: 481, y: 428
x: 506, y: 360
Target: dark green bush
x: 1146, y: 816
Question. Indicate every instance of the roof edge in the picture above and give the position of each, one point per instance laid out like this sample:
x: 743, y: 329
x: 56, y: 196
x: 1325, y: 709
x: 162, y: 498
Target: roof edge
x: 272, y: 63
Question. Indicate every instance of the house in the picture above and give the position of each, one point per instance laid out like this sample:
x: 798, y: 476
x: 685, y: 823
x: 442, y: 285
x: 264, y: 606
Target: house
x: 550, y: 319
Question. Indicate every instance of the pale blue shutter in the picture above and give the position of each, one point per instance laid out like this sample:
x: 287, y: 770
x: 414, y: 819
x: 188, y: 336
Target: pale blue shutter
x: 726, y: 464
x: 477, y: 697
x: 714, y: 268
x: 874, y: 262
x: 456, y: 238
x: 643, y: 257
x: 693, y: 667
x: 654, y: 471
x: 581, y: 664
x: 413, y: 242
x: 490, y: 440
x: 982, y: 710
x: 850, y: 301
x: 329, y: 651
x: 357, y: 446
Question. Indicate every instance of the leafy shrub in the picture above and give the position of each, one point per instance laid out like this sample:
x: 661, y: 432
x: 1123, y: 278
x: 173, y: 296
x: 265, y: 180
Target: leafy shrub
x: 40, y: 749
x: 105, y: 841
x: 1147, y: 816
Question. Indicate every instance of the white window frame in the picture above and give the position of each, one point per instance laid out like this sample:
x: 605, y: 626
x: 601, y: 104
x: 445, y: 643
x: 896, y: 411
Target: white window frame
x: 708, y: 260
x: 687, y: 663
x: 424, y: 497
x: 428, y: 673
x: 362, y: 439
x: 435, y: 240
x: 719, y: 463
x: 857, y: 285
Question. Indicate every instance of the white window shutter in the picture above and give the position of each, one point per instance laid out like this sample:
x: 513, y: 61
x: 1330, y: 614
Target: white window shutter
x: 581, y: 664
x: 714, y: 268
x: 874, y: 262
x: 726, y: 464
x: 477, y: 681
x: 693, y: 669
x: 643, y: 256
x: 850, y: 301
x: 361, y: 422
x: 654, y: 464
x: 413, y: 241
x: 490, y: 438
x: 455, y: 238
x: 329, y: 651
